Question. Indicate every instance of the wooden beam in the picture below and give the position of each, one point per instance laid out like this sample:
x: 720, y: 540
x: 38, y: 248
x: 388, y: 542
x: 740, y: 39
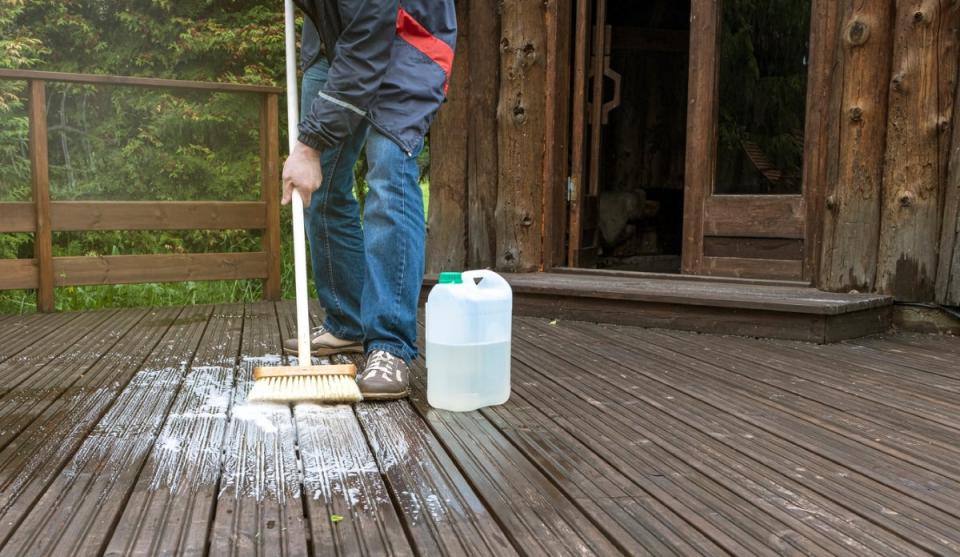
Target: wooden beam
x: 130, y: 269
x: 578, y: 133
x: 770, y: 216
x: 18, y: 216
x: 137, y: 215
x: 784, y: 269
x: 702, y: 122
x: 948, y: 268
x: 824, y: 87
x: 447, y: 219
x: 40, y: 185
x: 18, y: 273
x: 851, y: 217
x: 913, y: 185
x: 753, y: 248
x: 149, y: 82
x: 270, y: 191
x: 556, y: 155
x: 521, y: 118
x: 483, y: 27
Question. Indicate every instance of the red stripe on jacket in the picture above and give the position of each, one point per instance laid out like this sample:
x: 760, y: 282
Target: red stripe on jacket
x: 419, y: 38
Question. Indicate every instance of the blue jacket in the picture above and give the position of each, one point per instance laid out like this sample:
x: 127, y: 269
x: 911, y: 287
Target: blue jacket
x: 391, y: 64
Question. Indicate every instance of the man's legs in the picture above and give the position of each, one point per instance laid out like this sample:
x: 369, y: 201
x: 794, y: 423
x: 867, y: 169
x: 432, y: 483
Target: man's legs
x: 394, y: 236
x: 333, y: 226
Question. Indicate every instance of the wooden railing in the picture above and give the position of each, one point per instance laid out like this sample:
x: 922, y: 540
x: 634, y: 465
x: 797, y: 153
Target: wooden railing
x: 42, y: 217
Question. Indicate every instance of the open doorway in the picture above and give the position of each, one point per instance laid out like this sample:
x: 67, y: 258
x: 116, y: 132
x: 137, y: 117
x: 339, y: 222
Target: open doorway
x: 636, y: 137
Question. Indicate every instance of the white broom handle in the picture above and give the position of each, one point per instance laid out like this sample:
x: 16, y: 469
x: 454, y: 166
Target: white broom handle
x: 299, y: 242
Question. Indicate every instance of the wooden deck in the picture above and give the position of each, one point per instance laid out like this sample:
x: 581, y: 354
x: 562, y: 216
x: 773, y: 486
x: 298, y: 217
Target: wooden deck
x: 127, y: 432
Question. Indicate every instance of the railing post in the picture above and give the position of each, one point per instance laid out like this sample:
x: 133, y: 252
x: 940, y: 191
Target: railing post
x: 40, y: 184
x: 270, y: 191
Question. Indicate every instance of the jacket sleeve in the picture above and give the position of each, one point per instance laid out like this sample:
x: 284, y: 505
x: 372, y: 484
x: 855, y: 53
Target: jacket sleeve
x: 362, y: 54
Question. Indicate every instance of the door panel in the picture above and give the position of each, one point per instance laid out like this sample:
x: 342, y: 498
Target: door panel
x: 744, y: 170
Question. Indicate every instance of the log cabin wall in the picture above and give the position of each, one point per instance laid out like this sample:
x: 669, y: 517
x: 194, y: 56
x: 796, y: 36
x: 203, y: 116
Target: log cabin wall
x: 490, y: 153
x: 893, y: 179
x: 888, y: 185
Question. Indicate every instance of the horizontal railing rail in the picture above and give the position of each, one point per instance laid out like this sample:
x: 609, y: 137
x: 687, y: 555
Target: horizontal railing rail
x: 41, y: 216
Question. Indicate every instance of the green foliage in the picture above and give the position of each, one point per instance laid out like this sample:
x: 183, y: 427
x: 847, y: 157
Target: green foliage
x: 129, y: 143
x: 764, y: 47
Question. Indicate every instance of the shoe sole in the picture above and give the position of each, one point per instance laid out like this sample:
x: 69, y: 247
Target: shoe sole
x: 386, y: 396
x: 349, y: 349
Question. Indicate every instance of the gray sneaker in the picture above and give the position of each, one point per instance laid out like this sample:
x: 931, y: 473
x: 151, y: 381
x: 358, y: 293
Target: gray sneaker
x: 323, y: 343
x: 385, y: 377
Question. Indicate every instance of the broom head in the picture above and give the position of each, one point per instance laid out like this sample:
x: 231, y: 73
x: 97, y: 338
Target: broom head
x: 322, y: 383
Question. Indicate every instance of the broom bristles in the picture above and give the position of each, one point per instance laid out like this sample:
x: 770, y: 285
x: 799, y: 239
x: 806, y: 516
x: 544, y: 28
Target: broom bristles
x: 325, y: 388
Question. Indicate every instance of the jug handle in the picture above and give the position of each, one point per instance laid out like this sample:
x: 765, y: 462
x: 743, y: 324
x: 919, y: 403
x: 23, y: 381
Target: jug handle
x: 488, y: 277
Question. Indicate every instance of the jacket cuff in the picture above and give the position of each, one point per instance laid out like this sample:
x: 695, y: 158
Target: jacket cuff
x: 313, y: 141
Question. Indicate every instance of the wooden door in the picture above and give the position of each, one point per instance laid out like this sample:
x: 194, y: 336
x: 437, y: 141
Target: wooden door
x: 746, y: 198
x: 590, y: 73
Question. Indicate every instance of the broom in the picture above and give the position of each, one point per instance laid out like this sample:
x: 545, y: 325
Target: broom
x: 324, y: 383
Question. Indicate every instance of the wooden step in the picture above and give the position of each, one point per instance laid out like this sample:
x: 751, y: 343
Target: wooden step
x: 791, y: 312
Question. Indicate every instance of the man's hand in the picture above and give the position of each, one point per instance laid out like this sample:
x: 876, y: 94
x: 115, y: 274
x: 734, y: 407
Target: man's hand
x: 301, y: 172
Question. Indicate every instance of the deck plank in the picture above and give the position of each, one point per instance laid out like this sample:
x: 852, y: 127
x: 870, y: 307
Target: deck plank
x: 791, y: 449
x: 709, y: 498
x: 35, y: 456
x: 60, y: 343
x: 18, y: 332
x: 853, y: 399
x: 441, y: 511
x: 40, y: 387
x: 172, y: 503
x: 259, y: 508
x: 76, y: 513
x: 340, y: 474
x: 538, y: 518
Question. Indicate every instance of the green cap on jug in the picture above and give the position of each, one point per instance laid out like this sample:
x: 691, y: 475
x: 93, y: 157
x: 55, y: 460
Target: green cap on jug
x: 451, y: 278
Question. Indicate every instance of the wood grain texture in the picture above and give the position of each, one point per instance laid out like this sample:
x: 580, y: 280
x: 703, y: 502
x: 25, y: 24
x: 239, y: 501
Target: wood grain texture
x: 913, y: 186
x: 557, y: 20
x: 75, y: 515
x: 521, y: 136
x: 19, y: 273
x: 40, y: 186
x: 948, y: 266
x: 823, y: 109
x: 578, y: 132
x: 851, y: 218
x: 130, y: 269
x: 18, y: 216
x: 483, y: 28
x: 150, y: 82
x: 138, y: 215
x: 752, y: 216
x: 447, y: 219
x: 782, y: 269
x: 270, y: 193
x: 702, y: 121
x: 127, y: 432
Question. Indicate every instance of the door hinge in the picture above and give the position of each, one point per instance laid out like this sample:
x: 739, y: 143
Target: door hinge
x: 570, y: 188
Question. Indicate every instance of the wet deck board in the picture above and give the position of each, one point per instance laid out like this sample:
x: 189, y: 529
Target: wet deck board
x: 127, y: 432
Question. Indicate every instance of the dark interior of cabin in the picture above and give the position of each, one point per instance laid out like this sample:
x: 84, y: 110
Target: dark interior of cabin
x: 640, y: 205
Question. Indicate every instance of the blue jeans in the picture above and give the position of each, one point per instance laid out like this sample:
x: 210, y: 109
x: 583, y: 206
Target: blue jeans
x: 368, y: 277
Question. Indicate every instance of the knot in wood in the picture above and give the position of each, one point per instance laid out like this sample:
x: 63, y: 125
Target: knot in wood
x: 918, y: 16
x: 519, y: 113
x: 858, y: 32
x: 856, y: 114
x: 906, y: 198
x: 504, y: 44
x: 832, y: 202
x: 526, y: 220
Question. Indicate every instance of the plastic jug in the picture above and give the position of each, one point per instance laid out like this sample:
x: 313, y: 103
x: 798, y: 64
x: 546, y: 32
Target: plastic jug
x: 469, y: 318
